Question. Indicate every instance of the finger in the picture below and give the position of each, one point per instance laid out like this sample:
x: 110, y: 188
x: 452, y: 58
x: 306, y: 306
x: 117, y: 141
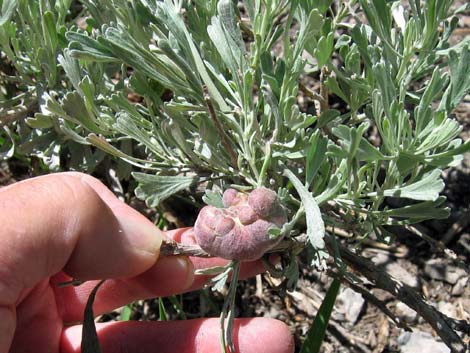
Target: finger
x: 153, y: 283
x: 258, y: 335
x: 60, y: 222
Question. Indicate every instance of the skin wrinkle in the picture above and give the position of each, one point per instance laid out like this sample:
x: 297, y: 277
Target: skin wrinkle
x: 10, y: 286
x: 72, y: 229
x: 19, y: 287
x: 30, y: 315
x: 7, y: 323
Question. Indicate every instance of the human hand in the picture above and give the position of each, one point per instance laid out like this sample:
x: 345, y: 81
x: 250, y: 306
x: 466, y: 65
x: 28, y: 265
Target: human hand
x: 69, y: 225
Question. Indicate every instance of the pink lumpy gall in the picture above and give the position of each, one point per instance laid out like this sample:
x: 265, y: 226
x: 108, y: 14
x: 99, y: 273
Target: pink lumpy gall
x: 240, y: 231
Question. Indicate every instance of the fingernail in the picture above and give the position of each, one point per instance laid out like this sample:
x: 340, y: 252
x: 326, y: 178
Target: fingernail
x: 142, y: 234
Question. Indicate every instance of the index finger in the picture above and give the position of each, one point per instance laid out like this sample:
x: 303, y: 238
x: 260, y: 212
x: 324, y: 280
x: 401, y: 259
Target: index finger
x: 155, y: 282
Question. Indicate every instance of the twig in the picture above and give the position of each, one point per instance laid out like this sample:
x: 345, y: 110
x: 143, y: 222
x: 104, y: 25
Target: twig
x: 397, y: 251
x: 223, y: 136
x: 346, y: 338
x: 457, y: 227
x: 310, y: 93
x: 19, y: 113
x: 443, y: 325
x: 440, y: 246
x: 172, y: 248
x: 324, y: 103
x: 372, y: 299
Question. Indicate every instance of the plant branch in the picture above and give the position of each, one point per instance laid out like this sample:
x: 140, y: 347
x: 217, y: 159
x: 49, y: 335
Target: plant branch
x: 218, y: 126
x: 439, y: 246
x: 324, y: 103
x: 17, y: 114
x: 172, y: 248
x: 372, y: 299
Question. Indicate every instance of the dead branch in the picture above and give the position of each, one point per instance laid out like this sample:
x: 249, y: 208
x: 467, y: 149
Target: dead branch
x: 172, y: 248
x: 439, y: 246
x: 373, y: 300
x: 220, y: 131
x: 443, y: 325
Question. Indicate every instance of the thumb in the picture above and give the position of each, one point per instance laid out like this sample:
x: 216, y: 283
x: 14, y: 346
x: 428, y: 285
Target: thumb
x: 69, y: 222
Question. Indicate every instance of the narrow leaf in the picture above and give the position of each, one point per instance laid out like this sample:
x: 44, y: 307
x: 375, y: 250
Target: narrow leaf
x: 316, y: 333
x: 460, y: 74
x: 315, y: 225
x: 90, y: 342
x: 315, y: 156
x: 8, y: 7
x: 425, y: 210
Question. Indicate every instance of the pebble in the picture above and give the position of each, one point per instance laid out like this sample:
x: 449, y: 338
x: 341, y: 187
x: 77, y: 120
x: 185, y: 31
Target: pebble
x: 351, y: 304
x: 459, y: 288
x: 380, y: 258
x: 395, y: 270
x: 419, y: 342
x: 438, y: 270
x: 447, y: 309
x: 405, y: 312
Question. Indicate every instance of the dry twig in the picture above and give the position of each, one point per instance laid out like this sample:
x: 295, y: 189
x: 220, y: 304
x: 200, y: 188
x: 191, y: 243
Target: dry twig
x: 457, y: 227
x: 442, y: 324
x: 220, y: 131
x: 440, y: 246
x: 372, y: 299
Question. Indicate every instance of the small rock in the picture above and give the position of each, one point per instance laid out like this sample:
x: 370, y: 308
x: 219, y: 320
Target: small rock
x: 380, y: 258
x: 459, y: 288
x: 447, y: 309
x: 438, y: 270
x: 395, y: 270
x: 419, y: 342
x: 352, y: 303
x: 405, y: 312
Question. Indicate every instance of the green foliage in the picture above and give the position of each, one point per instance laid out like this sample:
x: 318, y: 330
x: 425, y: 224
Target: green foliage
x: 191, y: 92
x: 216, y: 92
x: 155, y: 188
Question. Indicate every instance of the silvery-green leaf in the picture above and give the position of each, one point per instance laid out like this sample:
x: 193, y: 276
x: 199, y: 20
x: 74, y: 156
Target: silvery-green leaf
x: 75, y: 107
x: 460, y: 75
x: 8, y: 8
x: 315, y: 225
x: 316, y: 154
x: 213, y: 198
x: 40, y: 121
x: 425, y: 189
x: 156, y: 188
x: 422, y: 210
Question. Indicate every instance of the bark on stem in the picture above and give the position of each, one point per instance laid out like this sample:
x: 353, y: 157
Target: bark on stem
x: 443, y: 325
x: 223, y: 136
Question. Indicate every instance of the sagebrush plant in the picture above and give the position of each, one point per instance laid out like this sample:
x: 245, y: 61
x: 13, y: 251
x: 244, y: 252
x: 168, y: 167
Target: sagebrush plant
x: 217, y: 89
